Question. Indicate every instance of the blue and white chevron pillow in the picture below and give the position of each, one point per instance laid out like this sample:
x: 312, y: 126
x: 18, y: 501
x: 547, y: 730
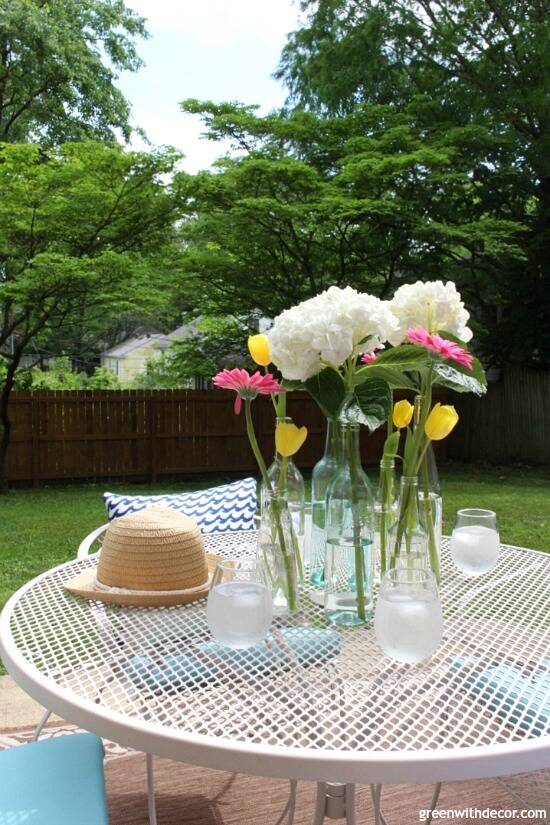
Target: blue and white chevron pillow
x: 229, y: 507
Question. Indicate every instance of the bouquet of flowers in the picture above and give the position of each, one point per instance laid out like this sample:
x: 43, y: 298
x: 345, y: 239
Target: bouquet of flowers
x: 351, y: 351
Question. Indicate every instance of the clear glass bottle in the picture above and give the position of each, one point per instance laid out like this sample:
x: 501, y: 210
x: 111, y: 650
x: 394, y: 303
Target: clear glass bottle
x: 385, y: 514
x: 321, y: 478
x: 408, y: 536
x: 430, y: 497
x: 349, y: 565
x: 291, y: 487
x: 278, y: 551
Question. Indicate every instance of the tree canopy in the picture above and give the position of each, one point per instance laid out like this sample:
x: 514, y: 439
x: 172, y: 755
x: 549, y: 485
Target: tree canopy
x: 479, y: 71
x: 370, y: 199
x: 83, y: 229
x: 59, y: 60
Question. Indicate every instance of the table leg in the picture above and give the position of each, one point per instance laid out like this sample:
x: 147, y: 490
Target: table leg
x: 151, y: 790
x: 41, y: 724
x: 435, y: 798
x: 350, y: 805
x: 320, y: 803
x: 290, y: 807
x: 335, y: 801
x: 376, y: 791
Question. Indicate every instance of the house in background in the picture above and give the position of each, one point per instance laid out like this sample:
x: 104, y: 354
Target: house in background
x: 128, y: 359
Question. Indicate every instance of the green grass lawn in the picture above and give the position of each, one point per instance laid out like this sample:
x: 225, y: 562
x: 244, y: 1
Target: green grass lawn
x: 43, y: 527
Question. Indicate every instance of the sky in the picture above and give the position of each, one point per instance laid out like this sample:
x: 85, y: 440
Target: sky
x: 207, y: 49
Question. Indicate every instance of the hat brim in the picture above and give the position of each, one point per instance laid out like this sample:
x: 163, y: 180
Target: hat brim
x: 84, y: 585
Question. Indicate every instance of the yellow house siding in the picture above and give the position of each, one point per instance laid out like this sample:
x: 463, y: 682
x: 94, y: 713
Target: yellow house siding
x: 132, y: 364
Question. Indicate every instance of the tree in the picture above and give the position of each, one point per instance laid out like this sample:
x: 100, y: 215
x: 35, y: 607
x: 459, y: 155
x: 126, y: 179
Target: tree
x: 480, y: 71
x: 82, y: 229
x: 305, y: 201
x: 58, y: 63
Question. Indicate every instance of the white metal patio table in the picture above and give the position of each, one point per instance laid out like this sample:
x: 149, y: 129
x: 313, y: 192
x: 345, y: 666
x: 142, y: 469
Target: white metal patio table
x: 350, y: 717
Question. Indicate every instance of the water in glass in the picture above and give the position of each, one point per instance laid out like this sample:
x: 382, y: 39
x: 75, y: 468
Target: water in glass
x: 408, y: 621
x: 341, y: 586
x: 239, y: 607
x: 475, y: 542
x: 306, y: 539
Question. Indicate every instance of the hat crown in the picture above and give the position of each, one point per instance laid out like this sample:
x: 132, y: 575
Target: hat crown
x: 153, y: 549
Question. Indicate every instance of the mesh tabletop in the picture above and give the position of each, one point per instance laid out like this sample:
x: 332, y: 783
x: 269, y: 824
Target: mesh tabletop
x: 153, y: 669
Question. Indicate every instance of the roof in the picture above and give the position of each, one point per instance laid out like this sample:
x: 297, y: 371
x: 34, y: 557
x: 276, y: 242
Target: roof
x: 158, y: 339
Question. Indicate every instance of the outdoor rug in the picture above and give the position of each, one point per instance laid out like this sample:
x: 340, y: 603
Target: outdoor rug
x: 187, y: 795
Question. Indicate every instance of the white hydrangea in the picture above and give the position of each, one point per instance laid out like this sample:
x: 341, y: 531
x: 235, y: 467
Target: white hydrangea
x: 327, y: 329
x: 433, y: 305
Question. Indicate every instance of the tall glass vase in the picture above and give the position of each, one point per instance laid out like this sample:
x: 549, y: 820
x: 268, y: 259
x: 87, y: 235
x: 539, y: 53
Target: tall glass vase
x: 291, y: 487
x: 385, y: 515
x: 408, y: 536
x: 429, y: 494
x: 321, y: 478
x: 349, y: 529
x: 277, y: 549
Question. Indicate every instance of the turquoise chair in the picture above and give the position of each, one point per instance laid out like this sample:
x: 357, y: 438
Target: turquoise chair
x: 54, y: 782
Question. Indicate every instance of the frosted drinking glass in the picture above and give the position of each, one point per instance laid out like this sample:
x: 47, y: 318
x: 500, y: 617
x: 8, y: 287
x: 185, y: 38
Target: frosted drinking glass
x: 408, y: 621
x: 239, y: 607
x: 475, y: 541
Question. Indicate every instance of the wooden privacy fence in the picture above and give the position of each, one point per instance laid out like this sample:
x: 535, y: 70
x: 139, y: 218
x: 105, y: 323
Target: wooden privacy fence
x: 148, y: 434
x: 151, y: 433
x: 509, y: 424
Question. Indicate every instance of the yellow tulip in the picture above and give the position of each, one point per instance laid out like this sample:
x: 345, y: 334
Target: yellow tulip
x: 289, y: 438
x: 258, y: 347
x: 402, y: 414
x: 440, y: 422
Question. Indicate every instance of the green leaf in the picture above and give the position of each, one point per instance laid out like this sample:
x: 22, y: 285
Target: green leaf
x: 408, y: 452
x: 394, y: 377
x: 328, y: 390
x: 449, y: 336
x: 391, y: 444
x: 370, y: 405
x: 461, y: 379
x: 405, y: 357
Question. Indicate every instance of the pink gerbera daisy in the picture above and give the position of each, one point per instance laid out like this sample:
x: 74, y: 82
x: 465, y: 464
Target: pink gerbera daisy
x: 246, y: 386
x: 441, y: 346
x: 369, y: 357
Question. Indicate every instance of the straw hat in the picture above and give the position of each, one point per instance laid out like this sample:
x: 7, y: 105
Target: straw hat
x: 153, y: 557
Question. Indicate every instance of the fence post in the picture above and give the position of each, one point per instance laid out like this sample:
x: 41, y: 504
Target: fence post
x: 35, y: 435
x: 151, y: 409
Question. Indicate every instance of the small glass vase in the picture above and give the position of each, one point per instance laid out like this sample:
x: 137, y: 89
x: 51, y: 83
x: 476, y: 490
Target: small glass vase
x: 408, y: 536
x: 385, y: 515
x: 349, y: 565
x: 322, y: 476
x: 291, y: 487
x: 278, y: 551
x: 429, y: 496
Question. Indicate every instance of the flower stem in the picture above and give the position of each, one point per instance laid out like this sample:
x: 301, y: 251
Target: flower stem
x: 254, y: 444
x: 287, y: 561
x: 349, y: 368
x: 429, y: 517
